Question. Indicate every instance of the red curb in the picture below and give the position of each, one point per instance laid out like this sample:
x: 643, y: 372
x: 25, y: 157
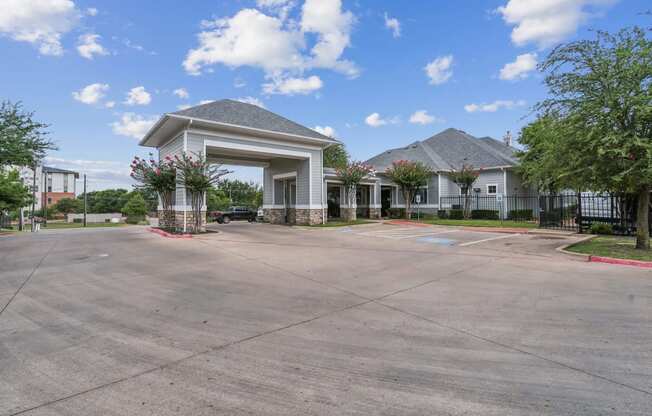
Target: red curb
x: 165, y: 234
x: 621, y: 262
x: 406, y: 222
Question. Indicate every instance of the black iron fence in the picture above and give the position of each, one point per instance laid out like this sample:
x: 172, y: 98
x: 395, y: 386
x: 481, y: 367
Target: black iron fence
x: 566, y: 211
x: 5, y: 220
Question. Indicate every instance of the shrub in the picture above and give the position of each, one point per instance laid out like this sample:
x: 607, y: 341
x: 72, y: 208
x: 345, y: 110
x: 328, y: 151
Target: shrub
x: 520, y: 215
x: 442, y: 214
x: 484, y: 214
x: 456, y: 214
x: 601, y: 228
x: 77, y: 220
x: 134, y: 219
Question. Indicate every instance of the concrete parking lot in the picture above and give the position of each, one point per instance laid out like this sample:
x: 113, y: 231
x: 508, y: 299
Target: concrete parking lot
x: 269, y: 320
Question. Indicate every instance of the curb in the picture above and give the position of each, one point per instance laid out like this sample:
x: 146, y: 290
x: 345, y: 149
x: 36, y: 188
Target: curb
x: 600, y: 259
x: 406, y: 222
x: 168, y: 235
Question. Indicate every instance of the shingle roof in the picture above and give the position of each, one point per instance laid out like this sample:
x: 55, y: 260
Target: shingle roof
x: 50, y: 169
x: 248, y: 115
x: 449, y: 150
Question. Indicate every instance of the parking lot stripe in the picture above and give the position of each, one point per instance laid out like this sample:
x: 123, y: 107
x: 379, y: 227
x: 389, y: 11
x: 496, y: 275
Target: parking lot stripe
x: 470, y: 243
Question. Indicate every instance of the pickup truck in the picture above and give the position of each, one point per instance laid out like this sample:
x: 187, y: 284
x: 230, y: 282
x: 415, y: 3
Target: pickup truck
x: 234, y: 214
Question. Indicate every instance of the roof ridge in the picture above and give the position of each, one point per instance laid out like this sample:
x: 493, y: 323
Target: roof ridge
x: 434, y: 156
x: 494, y: 151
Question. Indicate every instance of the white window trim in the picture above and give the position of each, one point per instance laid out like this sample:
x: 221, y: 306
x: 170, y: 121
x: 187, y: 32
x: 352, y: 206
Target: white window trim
x: 492, y: 184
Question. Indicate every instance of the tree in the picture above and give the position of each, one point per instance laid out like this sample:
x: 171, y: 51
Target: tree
x: 13, y: 194
x: 217, y: 199
x: 335, y: 156
x: 409, y: 176
x: 241, y: 193
x: 197, y: 176
x: 69, y: 206
x: 159, y: 177
x: 465, y: 177
x: 106, y: 201
x: 150, y: 197
x: 351, y: 175
x: 135, y: 209
x: 600, y: 105
x: 23, y: 141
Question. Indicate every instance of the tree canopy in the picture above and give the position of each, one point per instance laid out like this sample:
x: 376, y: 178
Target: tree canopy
x: 409, y: 176
x: 335, y: 156
x: 23, y: 141
x: 13, y: 194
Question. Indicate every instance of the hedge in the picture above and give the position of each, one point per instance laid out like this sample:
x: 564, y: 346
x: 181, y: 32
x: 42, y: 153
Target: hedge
x: 456, y: 214
x: 484, y: 214
x: 520, y: 215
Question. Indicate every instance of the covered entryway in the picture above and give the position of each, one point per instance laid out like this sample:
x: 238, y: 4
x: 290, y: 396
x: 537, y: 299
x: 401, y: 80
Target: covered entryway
x: 235, y: 133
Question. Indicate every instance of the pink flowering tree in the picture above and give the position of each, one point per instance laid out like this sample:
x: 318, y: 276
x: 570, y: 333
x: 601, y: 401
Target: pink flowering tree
x: 197, y: 176
x: 159, y: 177
x: 465, y: 177
x: 351, y: 175
x: 409, y: 176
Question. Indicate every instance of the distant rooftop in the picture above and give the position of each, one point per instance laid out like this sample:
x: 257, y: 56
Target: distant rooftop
x: 50, y: 169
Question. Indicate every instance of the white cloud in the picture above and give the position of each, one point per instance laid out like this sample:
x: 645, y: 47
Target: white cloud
x: 202, y: 102
x: 520, y: 68
x: 422, y: 117
x: 92, y: 11
x: 88, y: 45
x: 394, y: 25
x: 277, y: 46
x: 109, y: 104
x: 292, y: 86
x: 91, y: 94
x: 493, y: 107
x: 279, y: 7
x: 439, y: 71
x: 138, y: 96
x: 546, y: 22
x: 181, y: 93
x: 326, y: 131
x: 375, y: 120
x: 251, y: 100
x: 39, y: 22
x: 133, y: 125
x: 100, y: 174
x: 183, y: 106
x: 239, y: 82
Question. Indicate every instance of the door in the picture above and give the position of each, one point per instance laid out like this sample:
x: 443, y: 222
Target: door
x: 333, y: 200
x: 385, y: 200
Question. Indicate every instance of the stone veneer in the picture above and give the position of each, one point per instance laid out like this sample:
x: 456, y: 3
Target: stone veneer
x: 309, y: 216
x: 274, y: 215
x: 374, y: 213
x: 348, y: 214
x: 190, y: 222
x: 295, y: 216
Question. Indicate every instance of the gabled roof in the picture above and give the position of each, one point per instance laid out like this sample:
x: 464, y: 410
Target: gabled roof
x: 50, y: 169
x: 449, y: 150
x: 248, y: 115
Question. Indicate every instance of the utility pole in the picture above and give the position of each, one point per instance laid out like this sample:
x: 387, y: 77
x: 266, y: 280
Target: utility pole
x: 85, y: 200
x: 34, y: 197
x: 45, y: 199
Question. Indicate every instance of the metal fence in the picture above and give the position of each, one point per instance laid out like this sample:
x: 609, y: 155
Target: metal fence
x: 5, y: 220
x: 565, y: 211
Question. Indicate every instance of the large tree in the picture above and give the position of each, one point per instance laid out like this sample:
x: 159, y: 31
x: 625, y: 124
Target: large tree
x: 23, y: 141
x: 465, y: 177
x: 351, y: 175
x: 409, y: 176
x: 13, y: 193
x: 600, y: 110
x: 335, y: 156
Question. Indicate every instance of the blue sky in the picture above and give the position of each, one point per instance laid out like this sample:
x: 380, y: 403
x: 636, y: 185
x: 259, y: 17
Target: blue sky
x: 379, y: 74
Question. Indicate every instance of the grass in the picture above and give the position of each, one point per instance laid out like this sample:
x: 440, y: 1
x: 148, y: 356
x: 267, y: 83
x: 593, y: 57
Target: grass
x: 342, y: 223
x: 482, y: 223
x: 616, y: 247
x: 66, y: 225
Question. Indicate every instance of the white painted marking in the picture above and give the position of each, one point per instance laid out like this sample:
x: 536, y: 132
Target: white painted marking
x: 488, y: 239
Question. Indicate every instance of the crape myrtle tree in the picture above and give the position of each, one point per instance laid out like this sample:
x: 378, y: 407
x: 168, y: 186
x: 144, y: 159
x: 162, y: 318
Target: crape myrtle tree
x: 351, y: 175
x: 197, y: 176
x: 465, y: 177
x: 409, y: 176
x: 600, y: 112
x: 160, y: 177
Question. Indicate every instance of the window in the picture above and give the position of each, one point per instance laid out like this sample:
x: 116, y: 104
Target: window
x: 49, y: 201
x: 423, y: 192
x: 492, y: 189
x: 65, y: 182
x: 49, y: 183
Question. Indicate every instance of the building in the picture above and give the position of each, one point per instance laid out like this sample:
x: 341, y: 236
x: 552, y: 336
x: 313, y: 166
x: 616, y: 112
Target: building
x: 297, y: 189
x: 52, y: 184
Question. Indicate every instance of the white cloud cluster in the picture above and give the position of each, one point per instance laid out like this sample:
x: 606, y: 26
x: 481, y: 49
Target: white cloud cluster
x: 520, y: 68
x: 39, y: 22
x: 439, y: 70
x: 394, y: 25
x: 279, y: 7
x: 277, y: 45
x: 546, y: 22
x: 422, y: 117
x: 88, y: 45
x: 181, y: 93
x: 91, y: 94
x: 133, y: 125
x: 375, y: 120
x: 493, y: 107
x: 251, y: 100
x: 293, y: 86
x: 325, y: 130
x: 138, y: 96
x: 92, y: 11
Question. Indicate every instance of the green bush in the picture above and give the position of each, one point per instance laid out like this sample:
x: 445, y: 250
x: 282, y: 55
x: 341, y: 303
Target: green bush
x: 484, y: 214
x: 456, y: 214
x: 520, y: 215
x: 77, y: 220
x: 135, y: 207
x: 397, y: 213
x: 601, y: 228
x: 442, y: 214
x: 135, y: 219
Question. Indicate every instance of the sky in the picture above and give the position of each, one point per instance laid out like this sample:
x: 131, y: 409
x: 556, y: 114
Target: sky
x: 376, y: 74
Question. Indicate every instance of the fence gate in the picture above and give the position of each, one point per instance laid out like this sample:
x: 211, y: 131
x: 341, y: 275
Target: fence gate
x: 559, y: 211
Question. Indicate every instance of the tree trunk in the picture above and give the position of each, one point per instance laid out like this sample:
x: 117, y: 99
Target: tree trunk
x: 408, y: 199
x: 642, y: 220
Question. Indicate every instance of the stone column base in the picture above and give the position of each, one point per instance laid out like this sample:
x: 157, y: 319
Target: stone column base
x: 374, y: 213
x: 189, y: 221
x: 348, y: 214
x: 274, y: 215
x: 166, y: 219
x: 309, y: 216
